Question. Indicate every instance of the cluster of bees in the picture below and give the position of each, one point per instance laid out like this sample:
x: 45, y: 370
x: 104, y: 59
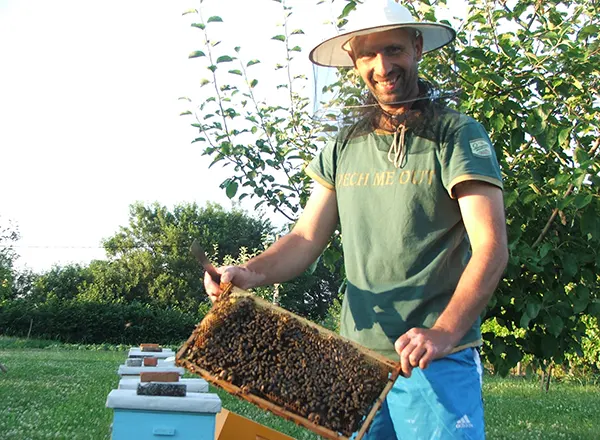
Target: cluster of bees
x: 277, y: 357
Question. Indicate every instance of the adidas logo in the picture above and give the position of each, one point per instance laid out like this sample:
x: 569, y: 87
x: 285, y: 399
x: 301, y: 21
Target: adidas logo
x: 464, y: 422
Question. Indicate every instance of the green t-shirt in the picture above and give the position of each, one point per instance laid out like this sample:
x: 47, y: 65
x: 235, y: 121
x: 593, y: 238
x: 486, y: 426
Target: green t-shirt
x: 405, y: 245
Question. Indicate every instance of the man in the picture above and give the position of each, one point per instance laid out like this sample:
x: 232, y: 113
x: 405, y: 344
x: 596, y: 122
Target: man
x: 417, y: 191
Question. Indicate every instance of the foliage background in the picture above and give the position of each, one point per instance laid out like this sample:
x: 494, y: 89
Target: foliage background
x: 526, y: 70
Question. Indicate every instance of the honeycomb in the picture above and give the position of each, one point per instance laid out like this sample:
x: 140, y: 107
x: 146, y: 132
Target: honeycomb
x: 280, y: 358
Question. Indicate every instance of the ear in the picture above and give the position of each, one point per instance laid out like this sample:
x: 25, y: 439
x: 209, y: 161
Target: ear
x: 419, y: 47
x: 351, y: 55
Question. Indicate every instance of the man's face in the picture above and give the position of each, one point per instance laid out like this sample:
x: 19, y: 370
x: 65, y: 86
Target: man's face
x: 388, y: 64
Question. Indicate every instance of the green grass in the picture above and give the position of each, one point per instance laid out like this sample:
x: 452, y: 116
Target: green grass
x: 55, y: 392
x: 516, y: 408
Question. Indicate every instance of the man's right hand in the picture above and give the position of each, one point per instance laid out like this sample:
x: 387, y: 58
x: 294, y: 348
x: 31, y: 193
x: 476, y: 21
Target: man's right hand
x: 237, y: 275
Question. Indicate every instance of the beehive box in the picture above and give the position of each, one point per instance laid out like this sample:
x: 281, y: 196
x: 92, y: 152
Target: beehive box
x: 288, y: 365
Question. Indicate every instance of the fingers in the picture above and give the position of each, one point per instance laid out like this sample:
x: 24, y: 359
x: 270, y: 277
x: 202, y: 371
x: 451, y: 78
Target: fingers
x: 415, y: 350
x: 212, y: 288
x: 236, y: 275
x: 426, y: 359
x: 227, y: 274
x: 404, y: 347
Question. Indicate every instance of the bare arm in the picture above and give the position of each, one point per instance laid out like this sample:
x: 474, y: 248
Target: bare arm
x: 482, y: 209
x: 290, y: 255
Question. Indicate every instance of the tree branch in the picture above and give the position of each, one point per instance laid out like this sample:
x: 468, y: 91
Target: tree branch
x: 551, y: 219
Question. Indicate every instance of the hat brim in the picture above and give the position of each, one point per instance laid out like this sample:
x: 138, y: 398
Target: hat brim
x: 330, y: 53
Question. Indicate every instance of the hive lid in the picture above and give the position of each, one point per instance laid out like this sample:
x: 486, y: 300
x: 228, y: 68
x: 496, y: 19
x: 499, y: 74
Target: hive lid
x: 194, y: 402
x: 193, y: 385
x: 135, y: 371
x: 165, y: 353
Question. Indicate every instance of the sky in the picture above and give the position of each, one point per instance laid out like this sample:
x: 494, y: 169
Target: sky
x: 90, y: 117
x: 89, y: 120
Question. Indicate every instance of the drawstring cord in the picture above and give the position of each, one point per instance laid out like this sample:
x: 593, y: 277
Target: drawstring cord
x: 397, y: 151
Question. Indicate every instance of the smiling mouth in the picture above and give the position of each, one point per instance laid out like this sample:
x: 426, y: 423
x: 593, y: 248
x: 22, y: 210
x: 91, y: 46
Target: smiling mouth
x: 387, y: 85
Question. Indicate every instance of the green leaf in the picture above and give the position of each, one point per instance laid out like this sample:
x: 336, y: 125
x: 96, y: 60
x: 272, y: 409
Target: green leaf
x: 563, y: 136
x: 347, y: 9
x: 581, y: 155
x: 549, y: 346
x: 513, y: 354
x: 533, y: 309
x: 198, y: 25
x: 224, y: 59
x: 498, y: 347
x: 588, y: 30
x: 582, y: 200
x: 235, y: 72
x: 536, y: 124
x: 569, y: 264
x: 253, y: 83
x: 555, y: 324
x: 594, y: 307
x: 544, y: 249
x: 524, y: 322
x: 311, y: 269
x: 582, y: 299
x: 232, y: 188
x: 278, y: 37
x: 510, y: 198
x: 517, y: 138
x: 252, y: 63
x: 196, y: 54
x: 297, y: 32
x: 498, y: 122
x: 564, y: 202
x: 589, y: 223
x: 190, y: 11
x: 187, y: 112
x: 215, y: 19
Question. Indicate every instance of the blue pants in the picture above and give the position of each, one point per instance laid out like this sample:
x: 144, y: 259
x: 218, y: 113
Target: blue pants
x: 441, y: 402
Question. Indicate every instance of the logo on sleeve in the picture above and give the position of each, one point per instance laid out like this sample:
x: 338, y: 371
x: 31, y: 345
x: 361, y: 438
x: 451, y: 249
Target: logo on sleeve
x: 481, y: 147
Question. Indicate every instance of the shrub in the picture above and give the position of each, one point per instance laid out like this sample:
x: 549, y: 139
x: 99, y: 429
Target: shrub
x: 83, y: 322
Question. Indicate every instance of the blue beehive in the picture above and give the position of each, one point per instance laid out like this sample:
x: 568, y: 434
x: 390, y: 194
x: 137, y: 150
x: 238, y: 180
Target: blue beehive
x: 150, y: 417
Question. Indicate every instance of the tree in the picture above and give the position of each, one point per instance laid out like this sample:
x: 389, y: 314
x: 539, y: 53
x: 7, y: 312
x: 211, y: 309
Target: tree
x: 149, y: 260
x: 8, y: 235
x: 60, y: 282
x: 267, y: 140
x: 528, y: 71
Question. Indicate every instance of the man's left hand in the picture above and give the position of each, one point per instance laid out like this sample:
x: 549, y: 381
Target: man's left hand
x: 419, y: 346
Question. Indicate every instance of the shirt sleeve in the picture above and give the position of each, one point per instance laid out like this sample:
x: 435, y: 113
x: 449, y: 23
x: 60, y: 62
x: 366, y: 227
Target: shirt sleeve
x: 468, y: 154
x: 322, y: 168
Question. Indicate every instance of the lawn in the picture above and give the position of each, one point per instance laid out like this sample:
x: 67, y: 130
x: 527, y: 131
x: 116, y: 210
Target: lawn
x: 58, y: 393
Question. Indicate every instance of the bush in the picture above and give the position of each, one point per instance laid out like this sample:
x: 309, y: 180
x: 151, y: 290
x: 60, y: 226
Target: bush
x: 73, y: 321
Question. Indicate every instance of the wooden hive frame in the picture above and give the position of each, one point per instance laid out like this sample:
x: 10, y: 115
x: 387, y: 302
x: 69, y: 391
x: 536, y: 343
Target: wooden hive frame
x: 230, y: 291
